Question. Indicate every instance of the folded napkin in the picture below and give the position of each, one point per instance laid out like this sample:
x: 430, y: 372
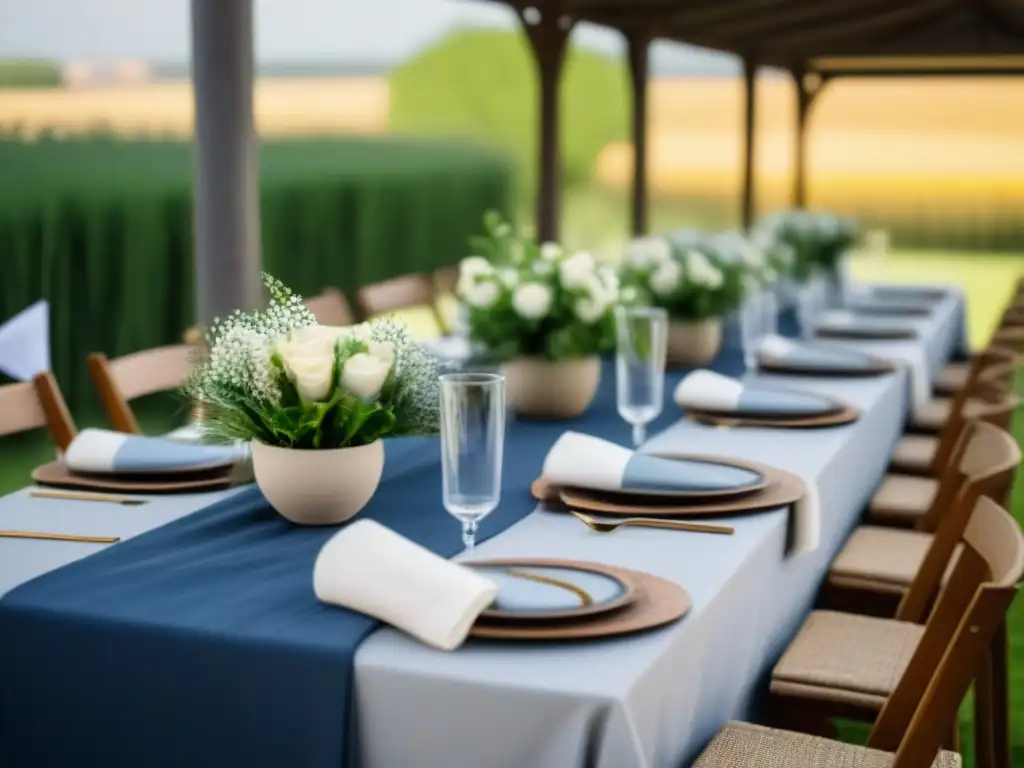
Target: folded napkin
x: 709, y: 391
x: 845, y: 318
x: 805, y: 524
x: 371, y: 569
x: 582, y: 461
x: 777, y: 349
x: 103, y: 451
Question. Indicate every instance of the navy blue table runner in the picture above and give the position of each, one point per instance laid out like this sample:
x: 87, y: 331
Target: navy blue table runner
x: 201, y: 643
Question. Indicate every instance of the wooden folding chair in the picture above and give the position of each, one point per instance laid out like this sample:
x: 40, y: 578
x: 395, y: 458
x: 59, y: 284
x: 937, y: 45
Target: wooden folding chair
x: 926, y: 454
x: 126, y: 378
x: 909, y: 679
x: 33, y: 404
x: 404, y: 292
x: 331, y: 308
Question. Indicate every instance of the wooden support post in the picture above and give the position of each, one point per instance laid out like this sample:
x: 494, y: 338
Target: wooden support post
x: 638, y: 48
x: 749, y: 116
x: 547, y: 28
x: 808, y: 86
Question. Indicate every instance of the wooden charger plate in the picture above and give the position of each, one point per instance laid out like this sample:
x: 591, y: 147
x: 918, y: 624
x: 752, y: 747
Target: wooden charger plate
x: 783, y: 490
x: 866, y: 334
x: 877, y: 368
x: 57, y: 474
x: 847, y: 414
x: 657, y: 602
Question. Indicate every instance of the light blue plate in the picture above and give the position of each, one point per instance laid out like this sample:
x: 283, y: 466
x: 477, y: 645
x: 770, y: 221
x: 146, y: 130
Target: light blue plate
x: 530, y: 592
x: 755, y: 401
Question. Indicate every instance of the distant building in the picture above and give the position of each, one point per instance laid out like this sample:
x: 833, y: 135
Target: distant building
x: 80, y: 74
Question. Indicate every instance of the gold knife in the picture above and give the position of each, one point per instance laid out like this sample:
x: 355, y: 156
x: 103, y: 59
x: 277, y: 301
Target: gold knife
x: 59, y: 537
x: 85, y: 496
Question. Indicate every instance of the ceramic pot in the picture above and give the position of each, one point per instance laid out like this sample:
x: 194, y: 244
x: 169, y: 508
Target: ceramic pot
x: 693, y: 342
x: 551, y: 389
x: 311, y: 487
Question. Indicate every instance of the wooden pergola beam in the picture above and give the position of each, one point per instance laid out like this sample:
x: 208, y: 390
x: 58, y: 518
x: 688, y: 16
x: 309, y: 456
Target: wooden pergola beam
x: 748, y: 203
x: 638, y: 48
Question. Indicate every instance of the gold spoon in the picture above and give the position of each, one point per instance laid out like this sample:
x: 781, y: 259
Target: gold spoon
x: 652, y: 522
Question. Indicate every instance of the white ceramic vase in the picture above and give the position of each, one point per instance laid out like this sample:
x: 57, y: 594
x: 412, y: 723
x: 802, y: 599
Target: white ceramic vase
x: 693, y: 342
x: 311, y: 487
x: 551, y: 389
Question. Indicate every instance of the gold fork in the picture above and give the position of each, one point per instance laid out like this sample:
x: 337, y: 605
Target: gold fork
x: 602, y: 526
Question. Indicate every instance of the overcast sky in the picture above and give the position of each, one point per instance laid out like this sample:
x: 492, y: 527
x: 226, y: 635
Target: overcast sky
x: 286, y: 30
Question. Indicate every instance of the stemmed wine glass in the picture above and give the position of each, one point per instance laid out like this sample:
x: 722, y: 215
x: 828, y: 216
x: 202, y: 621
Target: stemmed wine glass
x: 751, y: 316
x: 641, y: 340
x: 472, y: 443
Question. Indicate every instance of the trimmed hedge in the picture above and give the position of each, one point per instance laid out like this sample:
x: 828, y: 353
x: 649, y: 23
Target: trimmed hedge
x: 102, y: 228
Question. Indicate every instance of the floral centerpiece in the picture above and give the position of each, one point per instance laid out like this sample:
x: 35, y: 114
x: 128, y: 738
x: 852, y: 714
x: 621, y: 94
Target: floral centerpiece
x: 544, y: 314
x: 817, y: 240
x: 314, y: 401
x: 697, y: 280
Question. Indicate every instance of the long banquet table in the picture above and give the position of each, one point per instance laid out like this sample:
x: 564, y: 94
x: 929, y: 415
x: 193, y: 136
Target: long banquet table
x: 162, y: 696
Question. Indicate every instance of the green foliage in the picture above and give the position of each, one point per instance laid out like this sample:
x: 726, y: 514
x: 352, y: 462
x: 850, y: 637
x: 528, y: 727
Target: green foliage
x: 482, y: 84
x: 29, y: 73
x: 817, y: 240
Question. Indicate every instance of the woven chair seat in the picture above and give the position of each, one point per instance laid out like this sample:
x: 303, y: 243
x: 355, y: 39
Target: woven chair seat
x: 846, y: 658
x: 932, y: 416
x: 903, y: 497
x: 743, y: 745
x: 952, y: 378
x: 914, y: 453
x: 884, y: 559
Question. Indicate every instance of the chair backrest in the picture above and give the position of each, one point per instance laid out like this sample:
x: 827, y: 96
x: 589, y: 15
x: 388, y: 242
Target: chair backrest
x: 989, y: 458
x: 38, y: 403
x: 123, y: 379
x: 994, y: 356
x: 399, y: 293
x: 331, y: 308
x: 446, y: 279
x: 915, y: 720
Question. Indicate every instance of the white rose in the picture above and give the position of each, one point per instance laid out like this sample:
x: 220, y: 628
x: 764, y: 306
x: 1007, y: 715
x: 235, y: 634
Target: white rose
x: 363, y: 375
x: 508, y: 277
x: 482, y: 295
x: 543, y: 268
x: 648, y: 251
x: 590, y: 309
x: 628, y: 294
x: 472, y: 267
x: 574, y: 271
x: 610, y: 280
x: 532, y: 301
x: 550, y: 251
x: 308, y: 359
x: 383, y: 351
x: 665, y: 279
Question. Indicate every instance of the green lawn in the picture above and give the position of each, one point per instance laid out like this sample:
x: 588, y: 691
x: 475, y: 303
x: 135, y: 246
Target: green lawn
x: 987, y: 280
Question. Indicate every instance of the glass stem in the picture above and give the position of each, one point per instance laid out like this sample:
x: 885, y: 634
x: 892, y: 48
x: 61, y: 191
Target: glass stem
x: 469, y: 535
x: 639, y: 434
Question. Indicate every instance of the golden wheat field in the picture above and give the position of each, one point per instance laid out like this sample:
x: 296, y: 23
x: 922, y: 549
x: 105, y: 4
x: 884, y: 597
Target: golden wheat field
x: 945, y: 144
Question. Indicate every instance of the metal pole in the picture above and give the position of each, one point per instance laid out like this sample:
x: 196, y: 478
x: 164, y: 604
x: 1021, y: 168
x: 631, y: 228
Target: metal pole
x: 804, y: 97
x: 638, y: 70
x: 227, y: 231
x: 750, y: 105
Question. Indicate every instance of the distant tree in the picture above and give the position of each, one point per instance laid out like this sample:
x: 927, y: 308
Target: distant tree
x: 482, y: 84
x: 29, y: 73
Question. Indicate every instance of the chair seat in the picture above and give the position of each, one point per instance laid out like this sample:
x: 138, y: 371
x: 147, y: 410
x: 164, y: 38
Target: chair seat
x: 931, y: 416
x: 914, y: 453
x: 952, y: 378
x: 846, y: 658
x: 884, y: 559
x: 903, y: 497
x: 744, y: 745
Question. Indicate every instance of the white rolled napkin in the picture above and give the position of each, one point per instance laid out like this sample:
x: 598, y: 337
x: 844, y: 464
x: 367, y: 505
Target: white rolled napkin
x: 806, y: 522
x: 369, y: 568
x: 775, y: 347
x: 708, y: 391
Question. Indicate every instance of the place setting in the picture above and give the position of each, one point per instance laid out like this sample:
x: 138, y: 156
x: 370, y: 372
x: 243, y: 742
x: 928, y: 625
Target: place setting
x: 779, y: 355
x: 847, y: 324
x: 107, y: 462
x: 371, y: 569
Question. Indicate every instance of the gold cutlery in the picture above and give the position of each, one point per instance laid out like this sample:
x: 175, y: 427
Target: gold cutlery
x: 59, y: 537
x: 86, y: 496
x: 603, y: 526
